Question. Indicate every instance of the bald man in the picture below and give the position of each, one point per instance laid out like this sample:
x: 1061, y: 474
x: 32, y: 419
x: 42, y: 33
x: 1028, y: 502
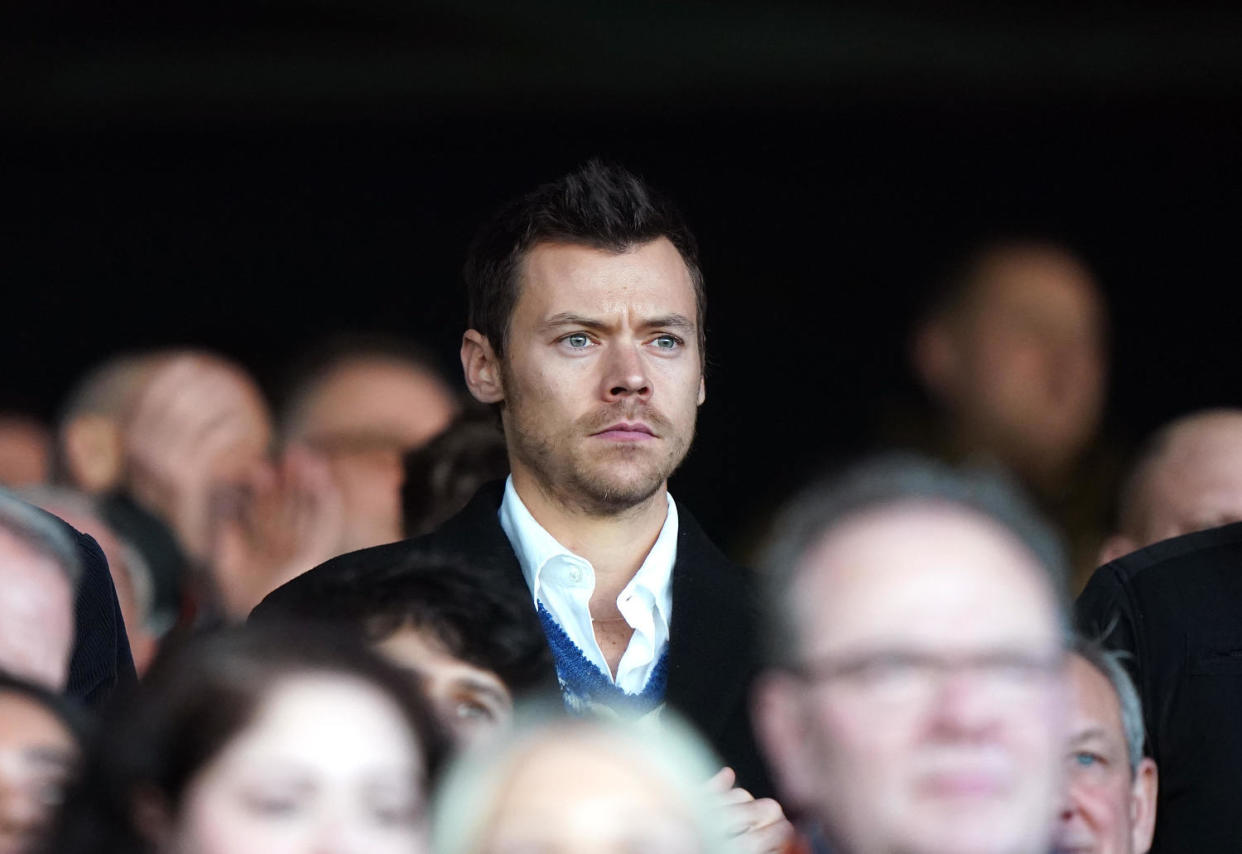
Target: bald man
x: 1189, y: 478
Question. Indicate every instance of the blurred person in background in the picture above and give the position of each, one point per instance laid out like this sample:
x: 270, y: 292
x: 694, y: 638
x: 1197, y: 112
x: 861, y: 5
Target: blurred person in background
x: 218, y: 521
x: 1012, y: 354
x: 1110, y: 803
x: 916, y: 698
x: 130, y: 577
x: 1188, y: 477
x: 472, y: 649
x: 90, y: 443
x: 586, y: 786
x: 41, y: 741
x: 361, y: 402
x: 25, y: 450
x: 272, y: 740
x: 39, y: 573
x: 442, y: 476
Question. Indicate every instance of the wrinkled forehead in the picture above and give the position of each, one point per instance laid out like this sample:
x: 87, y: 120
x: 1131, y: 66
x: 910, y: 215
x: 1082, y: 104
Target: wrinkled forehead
x: 922, y: 574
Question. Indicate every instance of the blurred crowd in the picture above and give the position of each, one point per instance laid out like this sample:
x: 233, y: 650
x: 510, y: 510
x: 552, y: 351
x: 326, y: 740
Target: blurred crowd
x: 372, y: 613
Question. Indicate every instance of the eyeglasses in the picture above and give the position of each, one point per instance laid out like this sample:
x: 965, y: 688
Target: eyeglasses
x: 895, y: 677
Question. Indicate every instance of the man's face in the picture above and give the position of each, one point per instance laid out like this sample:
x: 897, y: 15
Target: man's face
x: 363, y: 417
x: 1108, y: 809
x: 471, y: 703
x: 36, y: 615
x: 603, y: 375
x: 928, y: 715
x: 1030, y: 353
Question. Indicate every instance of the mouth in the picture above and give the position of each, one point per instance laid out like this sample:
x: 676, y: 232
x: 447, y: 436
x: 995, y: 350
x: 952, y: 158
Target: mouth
x: 626, y: 431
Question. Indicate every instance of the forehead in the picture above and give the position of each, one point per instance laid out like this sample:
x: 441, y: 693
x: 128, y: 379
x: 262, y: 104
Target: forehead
x: 426, y: 655
x: 1094, y: 702
x: 921, y: 574
x: 1035, y: 281
x: 647, y: 279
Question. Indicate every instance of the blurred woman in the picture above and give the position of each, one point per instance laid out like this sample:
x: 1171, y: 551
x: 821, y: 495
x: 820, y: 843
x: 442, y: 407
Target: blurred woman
x: 40, y: 745
x: 268, y: 739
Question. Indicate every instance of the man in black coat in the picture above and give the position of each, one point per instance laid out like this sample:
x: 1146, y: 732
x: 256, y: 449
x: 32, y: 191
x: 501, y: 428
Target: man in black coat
x: 1176, y: 608
x: 586, y: 316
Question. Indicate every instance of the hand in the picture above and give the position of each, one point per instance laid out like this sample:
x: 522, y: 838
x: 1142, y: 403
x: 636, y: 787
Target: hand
x: 194, y: 419
x: 280, y: 524
x: 759, y: 826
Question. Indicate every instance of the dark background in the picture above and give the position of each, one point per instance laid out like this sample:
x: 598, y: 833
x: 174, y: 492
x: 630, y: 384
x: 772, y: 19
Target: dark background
x: 248, y: 176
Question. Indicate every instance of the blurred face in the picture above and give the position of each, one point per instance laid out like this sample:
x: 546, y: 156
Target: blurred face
x: 1107, y: 808
x: 614, y: 806
x: 37, y: 756
x: 328, y: 765
x: 364, y: 416
x: 36, y: 615
x: 471, y: 703
x: 1030, y: 369
x: 25, y: 452
x: 603, y: 375
x: 1197, y: 484
x: 929, y: 715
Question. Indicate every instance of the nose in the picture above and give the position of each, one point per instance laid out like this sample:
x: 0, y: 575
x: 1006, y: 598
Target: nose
x: 625, y: 374
x: 962, y: 708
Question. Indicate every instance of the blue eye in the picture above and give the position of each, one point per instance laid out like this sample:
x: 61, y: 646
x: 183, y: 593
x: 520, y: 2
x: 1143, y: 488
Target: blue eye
x: 667, y: 342
x: 577, y: 341
x: 1086, y: 760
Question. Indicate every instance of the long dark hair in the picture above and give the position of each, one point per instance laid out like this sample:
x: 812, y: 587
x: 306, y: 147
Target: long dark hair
x: 197, y: 697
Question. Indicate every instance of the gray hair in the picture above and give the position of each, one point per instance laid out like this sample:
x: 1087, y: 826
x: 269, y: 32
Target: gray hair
x: 41, y: 532
x: 887, y: 480
x: 469, y: 792
x: 1108, y: 663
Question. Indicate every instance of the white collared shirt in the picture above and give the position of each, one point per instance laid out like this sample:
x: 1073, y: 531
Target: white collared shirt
x: 563, y: 582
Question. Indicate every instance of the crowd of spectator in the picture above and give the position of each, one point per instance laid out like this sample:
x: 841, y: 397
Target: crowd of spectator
x: 374, y: 615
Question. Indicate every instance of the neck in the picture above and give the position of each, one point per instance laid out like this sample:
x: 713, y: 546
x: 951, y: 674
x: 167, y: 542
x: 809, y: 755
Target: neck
x: 616, y: 544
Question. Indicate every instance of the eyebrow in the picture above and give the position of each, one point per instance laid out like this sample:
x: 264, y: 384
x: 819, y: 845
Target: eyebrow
x: 667, y: 321
x: 1090, y: 734
x: 482, y: 687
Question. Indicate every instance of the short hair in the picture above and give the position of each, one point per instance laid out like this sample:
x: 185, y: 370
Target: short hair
x: 196, y: 698
x: 303, y: 376
x: 889, y: 480
x: 671, y: 751
x: 42, y: 533
x: 440, y: 595
x: 442, y: 475
x: 599, y: 205
x: 1108, y: 663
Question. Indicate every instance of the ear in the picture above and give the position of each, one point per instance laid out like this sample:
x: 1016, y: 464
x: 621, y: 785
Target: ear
x: 93, y: 452
x: 1114, y: 547
x: 702, y: 390
x: 481, y: 367
x: 1143, y: 806
x: 934, y: 357
x: 780, y: 725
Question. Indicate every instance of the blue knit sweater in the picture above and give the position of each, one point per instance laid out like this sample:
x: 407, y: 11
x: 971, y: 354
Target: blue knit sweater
x: 585, y: 688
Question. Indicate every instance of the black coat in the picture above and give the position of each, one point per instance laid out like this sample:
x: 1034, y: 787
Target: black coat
x: 713, y: 644
x: 1176, y: 608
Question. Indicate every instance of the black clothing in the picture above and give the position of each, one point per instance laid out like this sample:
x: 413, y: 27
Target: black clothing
x: 713, y: 643
x: 1176, y: 608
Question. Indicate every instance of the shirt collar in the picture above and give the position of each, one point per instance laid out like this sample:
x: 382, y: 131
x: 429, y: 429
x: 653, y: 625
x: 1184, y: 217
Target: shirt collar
x: 534, y: 547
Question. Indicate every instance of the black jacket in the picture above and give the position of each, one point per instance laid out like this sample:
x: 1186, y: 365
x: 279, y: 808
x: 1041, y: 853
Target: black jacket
x: 713, y: 644
x: 1176, y: 608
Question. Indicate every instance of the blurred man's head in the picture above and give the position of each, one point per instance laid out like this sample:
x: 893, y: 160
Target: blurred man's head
x: 916, y: 700
x: 90, y: 444
x: 589, y: 786
x: 130, y: 575
x: 1188, y: 478
x: 442, y: 476
x: 1014, y: 352
x: 25, y: 451
x: 362, y: 403
x: 1110, y: 803
x: 39, y: 570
